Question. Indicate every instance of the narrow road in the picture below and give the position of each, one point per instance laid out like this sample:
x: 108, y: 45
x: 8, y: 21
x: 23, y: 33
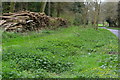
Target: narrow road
x: 116, y: 32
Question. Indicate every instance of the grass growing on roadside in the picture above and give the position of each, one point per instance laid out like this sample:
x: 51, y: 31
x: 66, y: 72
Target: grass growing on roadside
x: 114, y: 28
x: 101, y: 25
x: 1, y: 53
x: 65, y: 53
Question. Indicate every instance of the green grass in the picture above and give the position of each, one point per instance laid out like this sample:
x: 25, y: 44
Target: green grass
x: 1, y: 53
x: 114, y: 28
x: 72, y: 52
x: 101, y: 25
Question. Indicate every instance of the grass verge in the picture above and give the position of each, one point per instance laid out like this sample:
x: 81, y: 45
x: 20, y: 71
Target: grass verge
x: 72, y: 52
x: 114, y: 28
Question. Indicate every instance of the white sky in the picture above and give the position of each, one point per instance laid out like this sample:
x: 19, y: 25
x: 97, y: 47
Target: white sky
x: 56, y: 0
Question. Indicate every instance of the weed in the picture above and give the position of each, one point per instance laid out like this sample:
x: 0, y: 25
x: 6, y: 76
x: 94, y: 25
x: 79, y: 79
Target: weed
x: 60, y: 54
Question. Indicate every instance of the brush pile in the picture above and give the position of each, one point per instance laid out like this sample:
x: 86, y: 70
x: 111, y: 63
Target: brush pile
x: 29, y: 21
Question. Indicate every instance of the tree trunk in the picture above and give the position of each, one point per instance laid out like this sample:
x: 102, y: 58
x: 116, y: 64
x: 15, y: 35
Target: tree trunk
x: 42, y: 6
x: 12, y: 6
x: 26, y: 5
x: 49, y: 8
x: 85, y: 14
x: 21, y: 6
x: 119, y: 14
x: 0, y: 9
x: 96, y: 15
x: 58, y: 9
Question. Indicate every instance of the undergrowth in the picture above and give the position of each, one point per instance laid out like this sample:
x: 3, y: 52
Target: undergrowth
x: 72, y: 52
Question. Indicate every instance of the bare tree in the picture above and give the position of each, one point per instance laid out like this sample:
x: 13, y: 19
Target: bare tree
x: 42, y: 6
x: 58, y: 9
x: 12, y: 6
x: 49, y: 8
x: 94, y: 9
x: 119, y: 14
x: 109, y: 12
x: 85, y: 13
x: 97, y: 13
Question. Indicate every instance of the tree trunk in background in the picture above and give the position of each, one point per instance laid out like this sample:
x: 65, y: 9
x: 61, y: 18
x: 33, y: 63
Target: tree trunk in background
x: 96, y: 15
x: 21, y: 6
x: 119, y: 14
x: 1, y: 10
x: 42, y: 6
x: 12, y: 6
x: 58, y: 9
x: 85, y: 14
x: 52, y: 9
x: 49, y: 9
x: 103, y: 22
x: 26, y: 6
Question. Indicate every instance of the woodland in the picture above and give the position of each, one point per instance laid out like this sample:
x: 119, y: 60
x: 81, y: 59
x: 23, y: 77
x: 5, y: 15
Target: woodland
x: 59, y: 39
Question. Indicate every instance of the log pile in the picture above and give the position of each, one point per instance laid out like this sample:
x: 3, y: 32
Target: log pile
x: 29, y: 21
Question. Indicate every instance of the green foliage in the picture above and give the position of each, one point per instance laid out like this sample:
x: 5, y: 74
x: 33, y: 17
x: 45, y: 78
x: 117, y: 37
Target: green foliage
x: 78, y: 21
x: 14, y: 73
x: 8, y: 35
x: 26, y: 61
x: 77, y: 7
x: 19, y: 6
x: 72, y: 52
x: 101, y: 25
x: 6, y: 7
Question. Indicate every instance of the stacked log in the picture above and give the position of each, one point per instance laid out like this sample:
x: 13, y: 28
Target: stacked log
x: 29, y: 21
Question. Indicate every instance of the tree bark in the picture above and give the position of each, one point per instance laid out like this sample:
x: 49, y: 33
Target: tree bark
x: 119, y: 14
x: 96, y: 15
x: 43, y: 6
x: 58, y: 9
x: 85, y: 14
x: 12, y: 6
x: 0, y: 9
x: 49, y: 8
